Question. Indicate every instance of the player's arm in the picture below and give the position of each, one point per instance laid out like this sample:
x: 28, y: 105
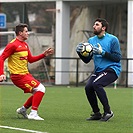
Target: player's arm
x: 32, y: 58
x: 1, y: 66
x: 85, y: 59
x: 115, y: 54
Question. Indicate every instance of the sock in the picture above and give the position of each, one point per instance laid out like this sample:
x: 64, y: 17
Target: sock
x: 28, y: 103
x: 37, y: 98
x: 33, y: 112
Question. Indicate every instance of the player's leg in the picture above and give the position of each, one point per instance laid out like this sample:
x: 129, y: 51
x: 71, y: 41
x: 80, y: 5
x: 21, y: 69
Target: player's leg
x: 33, y: 101
x: 20, y: 82
x: 29, y: 85
x: 105, y: 78
x: 91, y: 96
x: 22, y: 110
x: 38, y: 94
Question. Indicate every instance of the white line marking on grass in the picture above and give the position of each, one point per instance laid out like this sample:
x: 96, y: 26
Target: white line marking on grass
x: 21, y: 129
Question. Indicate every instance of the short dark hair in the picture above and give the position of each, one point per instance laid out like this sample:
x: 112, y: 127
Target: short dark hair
x: 103, y: 22
x: 20, y: 27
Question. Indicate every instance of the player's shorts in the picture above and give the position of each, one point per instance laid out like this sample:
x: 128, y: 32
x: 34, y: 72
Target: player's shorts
x: 26, y: 82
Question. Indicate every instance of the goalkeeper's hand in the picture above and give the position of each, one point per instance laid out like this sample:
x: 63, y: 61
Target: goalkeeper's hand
x: 98, y: 50
x: 79, y: 47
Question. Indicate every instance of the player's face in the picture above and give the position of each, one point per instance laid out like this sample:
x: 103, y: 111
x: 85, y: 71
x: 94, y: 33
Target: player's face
x: 24, y: 34
x: 97, y: 27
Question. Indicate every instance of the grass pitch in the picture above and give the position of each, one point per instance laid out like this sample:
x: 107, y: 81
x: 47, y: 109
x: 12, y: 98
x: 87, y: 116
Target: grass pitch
x: 65, y: 111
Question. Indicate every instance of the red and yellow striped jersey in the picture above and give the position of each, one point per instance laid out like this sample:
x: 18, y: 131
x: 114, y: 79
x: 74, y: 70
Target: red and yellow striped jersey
x: 18, y: 55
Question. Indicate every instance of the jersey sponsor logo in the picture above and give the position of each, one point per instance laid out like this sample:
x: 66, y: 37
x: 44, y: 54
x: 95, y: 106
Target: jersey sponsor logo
x: 23, y: 58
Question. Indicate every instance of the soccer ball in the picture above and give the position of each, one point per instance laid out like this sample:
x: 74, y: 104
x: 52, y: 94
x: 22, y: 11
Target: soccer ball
x: 87, y: 50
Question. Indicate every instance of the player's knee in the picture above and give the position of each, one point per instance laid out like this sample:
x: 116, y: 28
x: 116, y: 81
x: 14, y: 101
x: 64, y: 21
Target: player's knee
x: 40, y: 88
x: 88, y: 88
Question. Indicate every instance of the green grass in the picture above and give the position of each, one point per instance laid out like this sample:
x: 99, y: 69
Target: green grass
x: 65, y: 111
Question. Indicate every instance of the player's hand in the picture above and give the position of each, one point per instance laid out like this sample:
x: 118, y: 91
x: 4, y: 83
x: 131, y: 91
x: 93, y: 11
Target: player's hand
x: 48, y: 51
x: 2, y: 77
x: 79, y: 47
x: 98, y: 50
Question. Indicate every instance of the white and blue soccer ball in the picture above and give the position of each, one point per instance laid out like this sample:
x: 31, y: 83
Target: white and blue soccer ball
x: 87, y: 49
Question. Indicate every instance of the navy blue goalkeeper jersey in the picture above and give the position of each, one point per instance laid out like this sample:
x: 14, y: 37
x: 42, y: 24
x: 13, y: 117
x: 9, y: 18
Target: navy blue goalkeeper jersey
x: 111, y: 58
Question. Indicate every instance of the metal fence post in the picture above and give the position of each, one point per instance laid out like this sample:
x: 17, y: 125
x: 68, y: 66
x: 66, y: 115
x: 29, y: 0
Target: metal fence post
x: 77, y: 77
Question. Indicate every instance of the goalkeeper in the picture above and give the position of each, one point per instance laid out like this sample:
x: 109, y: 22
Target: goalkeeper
x: 106, y: 57
x: 18, y: 54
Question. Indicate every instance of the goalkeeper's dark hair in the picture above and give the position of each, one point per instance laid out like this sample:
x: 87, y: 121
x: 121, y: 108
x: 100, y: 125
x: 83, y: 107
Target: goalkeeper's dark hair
x: 103, y: 22
x: 20, y: 27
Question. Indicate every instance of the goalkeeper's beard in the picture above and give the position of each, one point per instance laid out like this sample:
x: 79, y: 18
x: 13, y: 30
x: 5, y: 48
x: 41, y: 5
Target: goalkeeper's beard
x: 97, y: 32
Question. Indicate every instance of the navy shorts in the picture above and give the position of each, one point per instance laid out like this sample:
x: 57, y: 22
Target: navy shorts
x: 103, y: 78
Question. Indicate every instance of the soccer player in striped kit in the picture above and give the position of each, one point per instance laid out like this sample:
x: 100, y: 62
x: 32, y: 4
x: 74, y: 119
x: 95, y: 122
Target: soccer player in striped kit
x: 18, y: 54
x: 107, y: 68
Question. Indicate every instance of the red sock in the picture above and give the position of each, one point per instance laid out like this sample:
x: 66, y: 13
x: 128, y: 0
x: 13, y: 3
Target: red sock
x: 28, y: 103
x: 37, y: 98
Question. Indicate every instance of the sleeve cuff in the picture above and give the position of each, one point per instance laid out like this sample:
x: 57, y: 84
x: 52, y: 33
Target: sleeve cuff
x: 103, y: 53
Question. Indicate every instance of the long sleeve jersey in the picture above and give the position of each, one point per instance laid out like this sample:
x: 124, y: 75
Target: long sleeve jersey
x: 18, y: 55
x: 112, y: 57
